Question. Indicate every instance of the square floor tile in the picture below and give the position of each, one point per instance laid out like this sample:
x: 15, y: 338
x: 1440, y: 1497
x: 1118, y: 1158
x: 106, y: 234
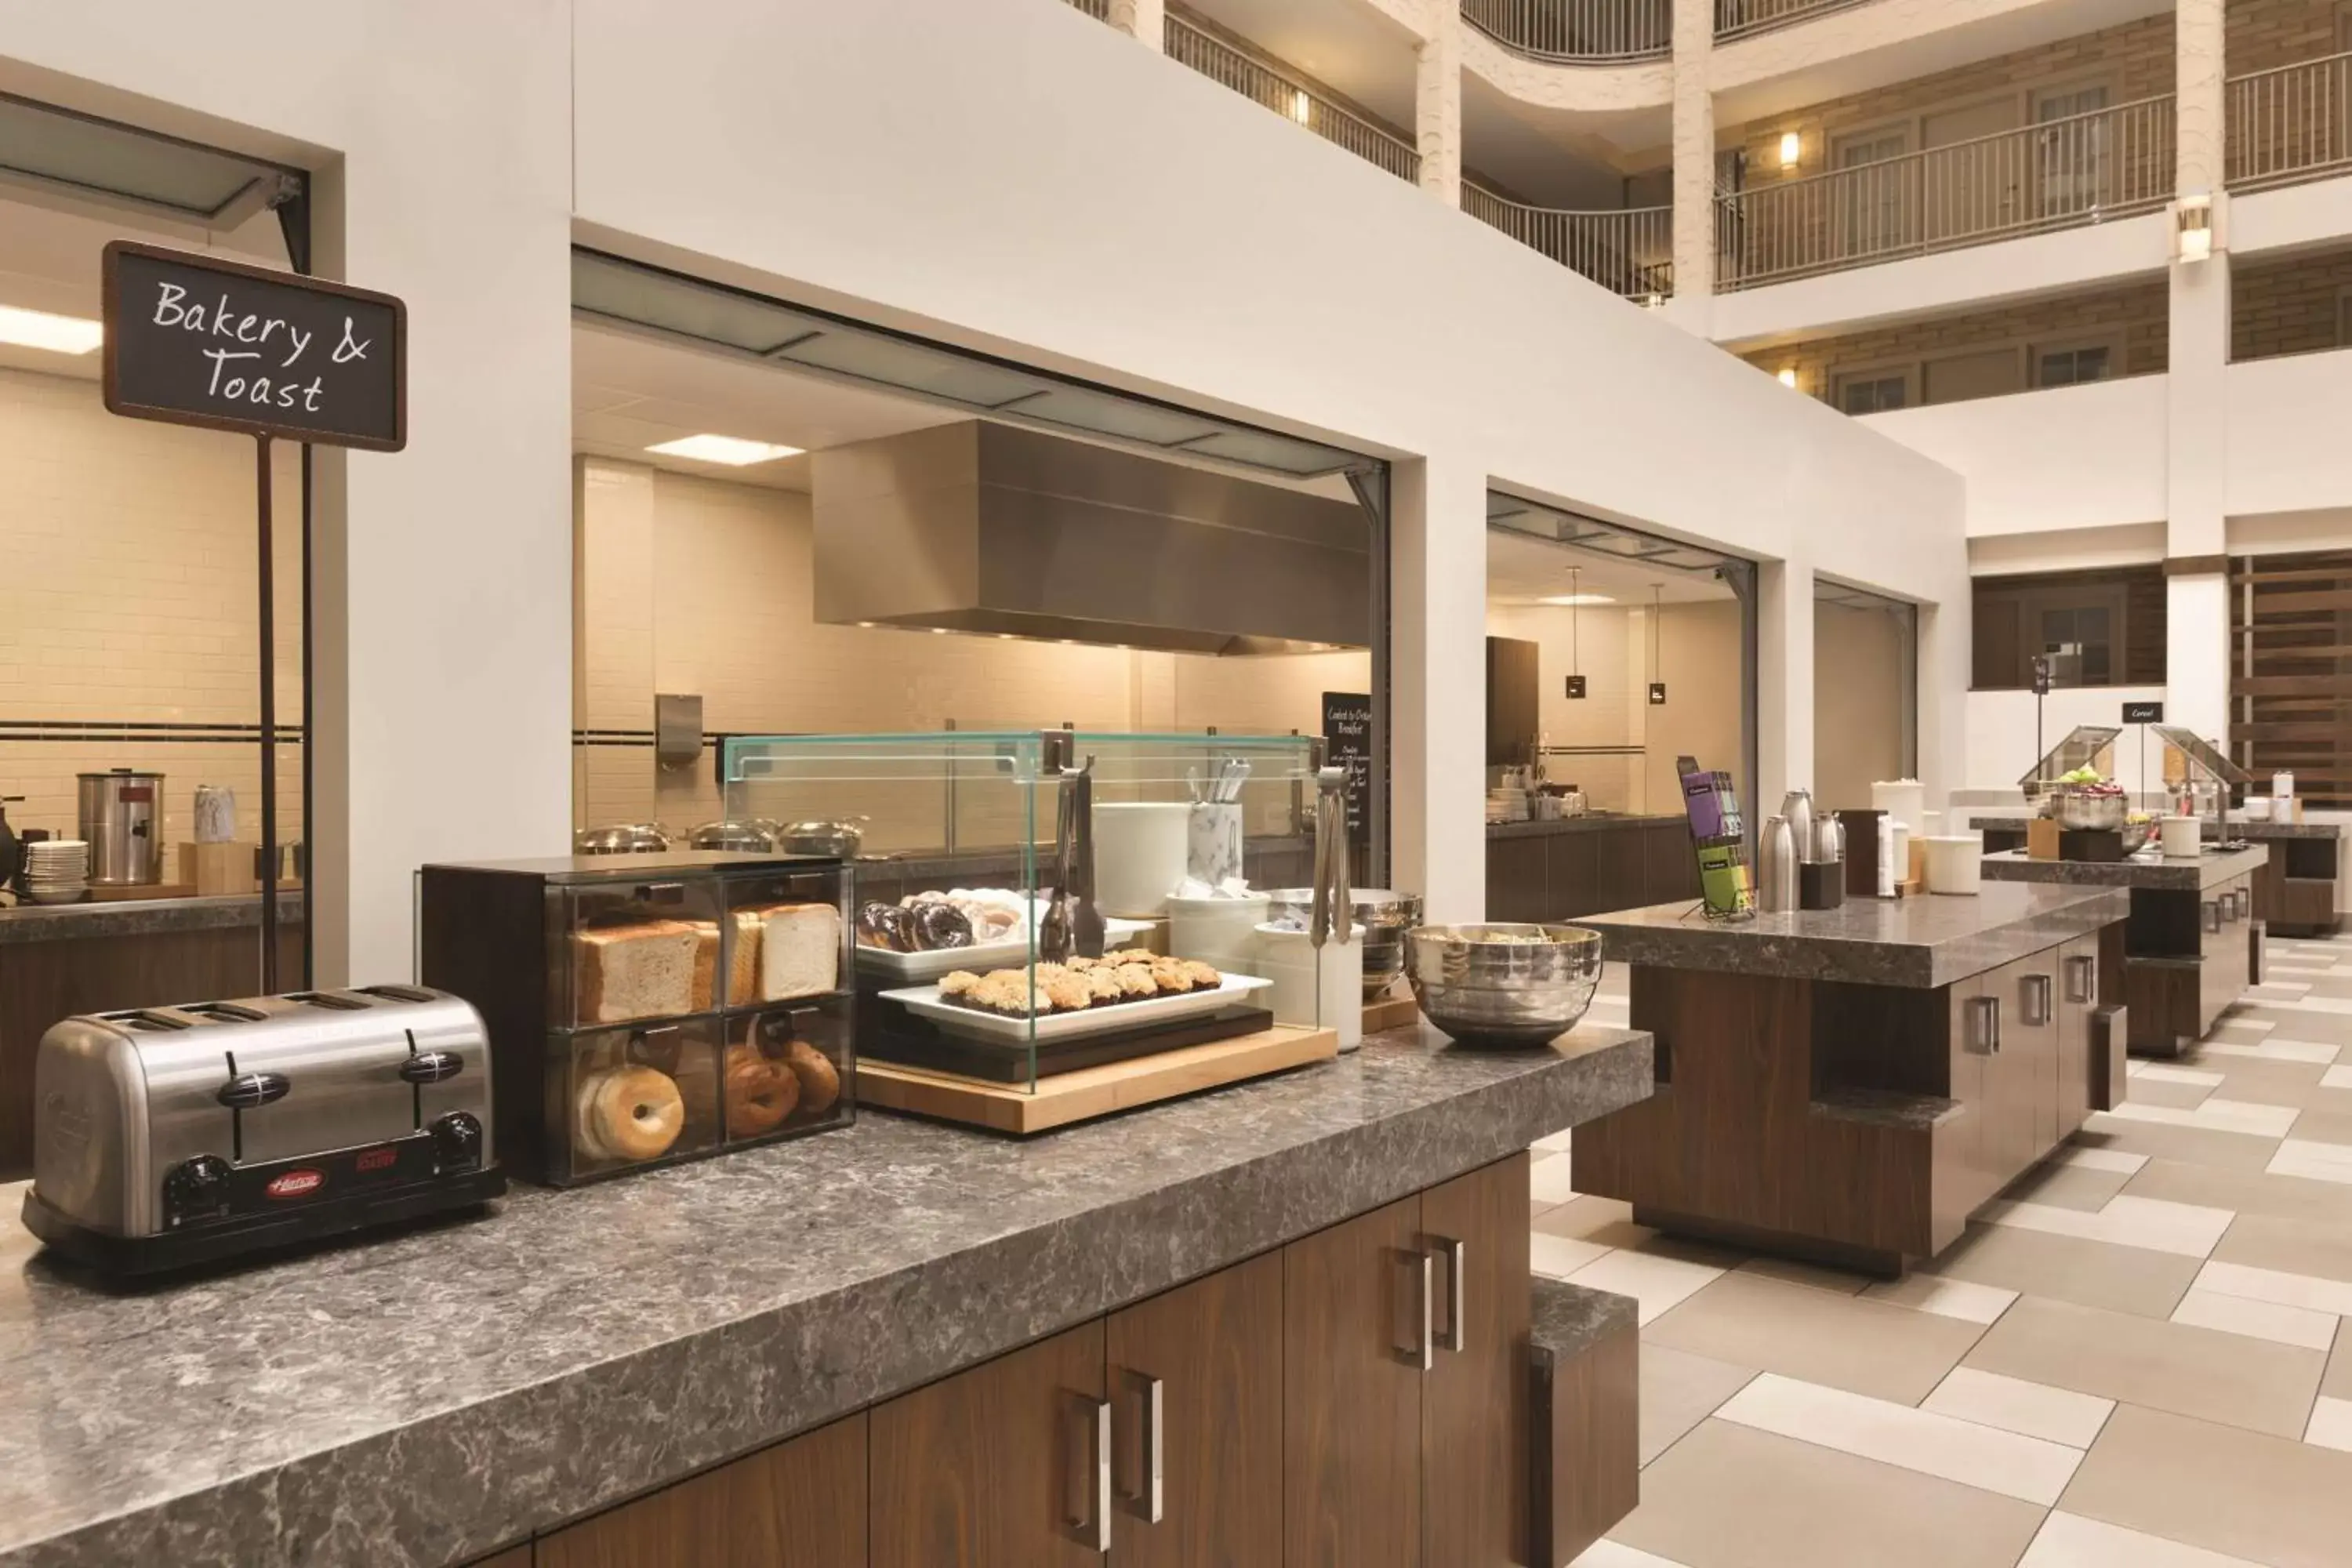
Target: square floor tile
x: 1729, y: 1495
x: 2057, y: 1184
x: 1658, y: 1283
x: 2194, y: 1145
x: 2325, y: 1121
x: 1680, y: 1390
x: 1553, y: 1143
x: 2285, y: 1286
x: 2312, y: 1161
x: 1864, y: 1346
x: 2274, y: 1500
x: 2247, y: 1193
x: 2166, y: 1093
x: 2091, y: 1159
x: 2167, y: 1072
x: 2070, y: 1541
x: 2336, y: 1077
x: 1789, y: 1271
x: 2032, y: 1409
x: 2268, y: 1047
x: 2257, y: 1319
x: 1605, y: 1221
x: 2214, y: 1115
x: 1558, y: 1256
x: 1963, y: 1298
x: 2154, y: 1224
x: 2031, y: 1470
x: 1613, y: 1554
x: 2090, y: 1273
x: 2336, y: 1383
x: 2306, y: 1245
x: 2331, y: 1423
x: 1547, y: 1180
x: 2195, y: 1372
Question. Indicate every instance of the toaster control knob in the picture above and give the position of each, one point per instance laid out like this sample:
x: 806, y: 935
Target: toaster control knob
x: 249, y: 1089
x: 196, y: 1189
x: 432, y: 1067
x: 457, y: 1141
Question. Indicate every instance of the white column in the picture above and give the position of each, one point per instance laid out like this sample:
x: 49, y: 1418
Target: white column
x: 1693, y: 148
x: 1146, y: 21
x: 1784, y: 682
x: 1437, y: 107
x: 2196, y: 450
x: 1437, y: 682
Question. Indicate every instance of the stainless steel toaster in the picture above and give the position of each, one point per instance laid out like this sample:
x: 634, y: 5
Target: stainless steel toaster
x: 168, y: 1136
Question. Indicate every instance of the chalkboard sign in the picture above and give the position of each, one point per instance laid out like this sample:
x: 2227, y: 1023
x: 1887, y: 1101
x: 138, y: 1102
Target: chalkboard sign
x: 194, y: 340
x: 1348, y: 743
x: 2143, y: 712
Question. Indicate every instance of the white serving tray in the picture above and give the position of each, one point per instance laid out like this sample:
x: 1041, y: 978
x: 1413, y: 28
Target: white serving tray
x: 924, y: 1000
x: 1008, y: 952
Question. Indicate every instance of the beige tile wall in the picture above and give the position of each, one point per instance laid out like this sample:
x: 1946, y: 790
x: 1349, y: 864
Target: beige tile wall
x: 2263, y: 34
x: 127, y: 553
x: 2139, y: 312
x: 690, y: 585
x: 2287, y: 307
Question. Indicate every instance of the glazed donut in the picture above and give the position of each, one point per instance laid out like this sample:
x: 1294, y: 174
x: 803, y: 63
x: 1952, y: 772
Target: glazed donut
x: 820, y: 1079
x: 634, y: 1112
x: 938, y: 925
x: 759, y: 1092
x: 887, y: 927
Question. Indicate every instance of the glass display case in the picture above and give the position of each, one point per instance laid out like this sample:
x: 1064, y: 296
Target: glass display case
x: 2203, y: 782
x: 645, y: 1009
x: 2089, y: 746
x: 1030, y: 903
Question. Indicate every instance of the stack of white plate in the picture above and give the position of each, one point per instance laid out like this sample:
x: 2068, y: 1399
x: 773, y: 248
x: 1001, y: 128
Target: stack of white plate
x: 1507, y: 806
x: 56, y: 871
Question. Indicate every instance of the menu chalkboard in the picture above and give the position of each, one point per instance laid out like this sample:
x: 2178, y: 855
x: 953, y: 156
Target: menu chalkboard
x: 1348, y: 742
x: 195, y: 339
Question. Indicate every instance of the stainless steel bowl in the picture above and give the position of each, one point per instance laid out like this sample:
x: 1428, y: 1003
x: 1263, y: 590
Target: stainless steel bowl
x: 842, y: 838
x: 1385, y: 917
x: 746, y: 837
x: 621, y: 838
x: 2136, y: 835
x: 2072, y: 810
x: 1503, y: 985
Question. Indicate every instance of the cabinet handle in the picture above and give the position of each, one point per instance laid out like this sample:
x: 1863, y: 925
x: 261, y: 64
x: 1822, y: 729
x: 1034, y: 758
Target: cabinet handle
x: 1147, y: 1501
x: 1456, y: 1277
x: 1423, y: 1353
x: 1984, y: 1024
x: 2211, y: 909
x: 2083, y: 979
x: 1092, y: 1526
x: 2035, y: 1003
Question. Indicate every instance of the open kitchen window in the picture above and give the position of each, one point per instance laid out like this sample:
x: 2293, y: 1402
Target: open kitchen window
x: 2097, y: 628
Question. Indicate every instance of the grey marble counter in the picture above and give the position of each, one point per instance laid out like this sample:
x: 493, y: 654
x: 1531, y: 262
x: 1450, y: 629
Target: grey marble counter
x: 2148, y: 869
x: 428, y: 1398
x: 2260, y: 832
x: 139, y: 917
x: 1928, y: 940
x: 1586, y: 824
x: 1568, y: 1318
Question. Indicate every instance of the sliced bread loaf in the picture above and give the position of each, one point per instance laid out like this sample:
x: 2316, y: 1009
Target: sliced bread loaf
x: 642, y: 971
x: 800, y: 951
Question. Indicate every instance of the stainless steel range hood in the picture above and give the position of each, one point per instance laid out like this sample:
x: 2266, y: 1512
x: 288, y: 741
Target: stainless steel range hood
x: 991, y: 527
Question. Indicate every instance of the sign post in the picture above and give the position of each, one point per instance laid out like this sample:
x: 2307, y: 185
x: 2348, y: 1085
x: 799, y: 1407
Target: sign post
x: 194, y: 339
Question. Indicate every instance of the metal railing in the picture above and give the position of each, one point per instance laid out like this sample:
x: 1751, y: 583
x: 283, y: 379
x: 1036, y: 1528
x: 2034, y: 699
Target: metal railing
x: 1577, y: 31
x: 1099, y: 9
x: 2290, y: 124
x: 2061, y: 174
x: 1629, y: 251
x: 1739, y: 19
x: 1293, y: 99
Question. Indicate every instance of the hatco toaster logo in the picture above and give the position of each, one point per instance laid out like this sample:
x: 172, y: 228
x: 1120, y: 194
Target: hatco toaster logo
x: 296, y: 1184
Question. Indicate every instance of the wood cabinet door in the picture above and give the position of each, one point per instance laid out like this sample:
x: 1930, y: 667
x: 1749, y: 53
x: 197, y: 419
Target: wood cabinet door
x: 1571, y: 877
x: 1671, y: 865
x: 1620, y: 870
x: 1474, y: 1408
x: 800, y: 1504
x: 2028, y: 1061
x: 1352, y: 1336
x: 998, y: 1467
x: 1967, y: 1149
x: 2078, y: 998
x: 1204, y: 1490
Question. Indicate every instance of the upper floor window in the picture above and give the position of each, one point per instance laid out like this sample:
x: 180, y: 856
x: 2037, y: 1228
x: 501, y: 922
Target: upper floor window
x: 2072, y: 366
x: 1873, y: 392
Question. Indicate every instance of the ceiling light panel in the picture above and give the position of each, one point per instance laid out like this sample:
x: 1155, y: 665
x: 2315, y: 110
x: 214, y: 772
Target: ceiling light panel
x: 40, y: 330
x: 629, y: 293
x: 733, y: 450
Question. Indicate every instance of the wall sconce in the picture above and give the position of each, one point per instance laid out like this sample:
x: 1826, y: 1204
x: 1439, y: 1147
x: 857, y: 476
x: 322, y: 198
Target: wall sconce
x: 1302, y: 108
x: 1788, y: 377
x: 1790, y: 146
x: 2192, y: 228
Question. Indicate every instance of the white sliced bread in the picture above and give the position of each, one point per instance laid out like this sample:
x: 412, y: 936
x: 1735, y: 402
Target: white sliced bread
x: 743, y: 958
x: 800, y: 951
x: 644, y: 971
x: 705, y: 965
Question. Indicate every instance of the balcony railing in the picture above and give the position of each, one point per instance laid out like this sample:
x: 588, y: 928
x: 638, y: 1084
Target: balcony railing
x: 1587, y: 32
x: 2062, y: 174
x: 1629, y: 251
x: 1739, y: 19
x: 1294, y: 100
x: 2291, y: 123
x: 1099, y: 9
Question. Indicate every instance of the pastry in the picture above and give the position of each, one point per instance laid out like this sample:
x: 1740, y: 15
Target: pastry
x: 642, y: 971
x: 760, y: 1092
x: 1070, y: 992
x: 820, y: 1080
x: 1009, y: 992
x: 1102, y: 985
x: 957, y: 983
x: 1135, y: 980
x: 632, y: 1113
x: 938, y: 925
x: 889, y: 927
x: 800, y: 951
x: 1203, y: 976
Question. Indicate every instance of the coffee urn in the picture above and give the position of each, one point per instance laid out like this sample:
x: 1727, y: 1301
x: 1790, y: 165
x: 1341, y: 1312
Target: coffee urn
x: 122, y: 819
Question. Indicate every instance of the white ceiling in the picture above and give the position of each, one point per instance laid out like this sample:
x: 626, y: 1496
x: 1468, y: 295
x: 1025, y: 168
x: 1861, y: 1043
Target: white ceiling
x: 1556, y: 157
x: 1344, y: 44
x: 1521, y: 570
x: 49, y: 248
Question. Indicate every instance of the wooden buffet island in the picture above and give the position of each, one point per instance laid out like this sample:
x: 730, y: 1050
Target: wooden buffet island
x: 1851, y: 1084
x: 2193, y: 942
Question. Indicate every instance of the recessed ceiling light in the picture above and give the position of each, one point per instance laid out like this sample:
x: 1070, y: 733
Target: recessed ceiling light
x: 1577, y: 599
x: 939, y: 631
x: 40, y: 330
x: 731, y: 450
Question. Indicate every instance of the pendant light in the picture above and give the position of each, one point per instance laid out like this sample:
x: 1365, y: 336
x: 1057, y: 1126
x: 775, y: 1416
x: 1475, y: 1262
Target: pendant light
x: 1575, y: 609
x: 1658, y: 674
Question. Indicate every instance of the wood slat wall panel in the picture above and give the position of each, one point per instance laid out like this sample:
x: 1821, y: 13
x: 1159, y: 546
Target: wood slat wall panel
x: 2291, y: 670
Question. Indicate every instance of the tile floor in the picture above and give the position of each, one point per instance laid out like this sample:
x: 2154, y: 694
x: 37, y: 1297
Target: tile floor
x: 2136, y: 1359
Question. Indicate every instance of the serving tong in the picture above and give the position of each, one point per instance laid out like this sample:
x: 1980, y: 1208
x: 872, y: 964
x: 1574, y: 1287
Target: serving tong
x: 1333, y: 898
x: 1072, y: 924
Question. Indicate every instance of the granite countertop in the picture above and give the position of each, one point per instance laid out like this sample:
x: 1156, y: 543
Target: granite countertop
x: 2148, y: 869
x: 1588, y: 823
x: 1927, y: 939
x: 1568, y: 1318
x: 139, y: 917
x: 436, y: 1395
x: 2260, y: 831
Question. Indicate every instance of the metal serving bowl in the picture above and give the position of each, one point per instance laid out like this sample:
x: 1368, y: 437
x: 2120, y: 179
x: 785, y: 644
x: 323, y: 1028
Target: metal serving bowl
x: 2136, y: 835
x: 621, y: 838
x: 1385, y: 917
x: 2073, y: 810
x: 743, y: 837
x: 1503, y: 985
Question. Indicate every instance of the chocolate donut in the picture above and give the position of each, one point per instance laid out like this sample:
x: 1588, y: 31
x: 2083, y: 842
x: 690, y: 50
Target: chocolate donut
x: 938, y: 925
x: 761, y: 1092
x: 886, y: 926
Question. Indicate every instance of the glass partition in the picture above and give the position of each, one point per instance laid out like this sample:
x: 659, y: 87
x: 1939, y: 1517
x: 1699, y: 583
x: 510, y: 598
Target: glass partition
x: 1865, y: 693
x: 1033, y: 903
